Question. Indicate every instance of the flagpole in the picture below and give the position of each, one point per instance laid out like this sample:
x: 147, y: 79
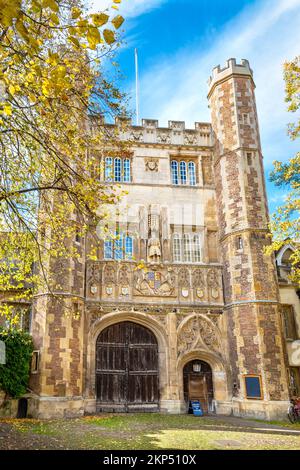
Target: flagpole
x: 137, y: 87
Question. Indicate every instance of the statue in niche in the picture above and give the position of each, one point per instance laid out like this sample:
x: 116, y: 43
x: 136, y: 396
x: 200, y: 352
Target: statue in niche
x: 154, y: 247
x: 154, y: 251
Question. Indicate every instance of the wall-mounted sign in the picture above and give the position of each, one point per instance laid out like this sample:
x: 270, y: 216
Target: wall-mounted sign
x: 253, y: 387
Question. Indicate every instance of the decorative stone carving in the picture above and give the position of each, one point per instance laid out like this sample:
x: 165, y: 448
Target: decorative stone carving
x: 154, y: 283
x: 184, y: 278
x: 137, y: 136
x: 161, y: 318
x: 154, y: 250
x: 164, y: 138
x: 213, y: 283
x: 109, y: 275
x: 124, y: 276
x: 154, y: 247
x: 94, y: 315
x: 179, y: 319
x: 198, y: 332
x: 93, y: 277
x: 207, y: 170
x: 199, y: 283
x: 190, y: 138
x: 151, y: 164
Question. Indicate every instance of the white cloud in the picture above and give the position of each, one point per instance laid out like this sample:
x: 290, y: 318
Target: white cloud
x: 128, y: 8
x: 267, y: 33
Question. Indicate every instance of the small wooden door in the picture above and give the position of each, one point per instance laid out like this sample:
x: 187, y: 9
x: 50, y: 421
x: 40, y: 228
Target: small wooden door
x: 198, y: 390
x: 127, y: 369
x: 198, y: 384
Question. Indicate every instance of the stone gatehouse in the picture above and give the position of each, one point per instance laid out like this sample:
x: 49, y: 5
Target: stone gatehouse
x: 182, y: 303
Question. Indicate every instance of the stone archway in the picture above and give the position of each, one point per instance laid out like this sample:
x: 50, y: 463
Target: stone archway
x: 220, y: 376
x: 198, y: 384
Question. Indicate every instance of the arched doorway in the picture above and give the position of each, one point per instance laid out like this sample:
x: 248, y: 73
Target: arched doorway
x: 127, y: 369
x: 198, y: 384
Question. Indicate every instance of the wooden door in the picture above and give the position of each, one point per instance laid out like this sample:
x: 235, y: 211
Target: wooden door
x: 198, y: 390
x: 127, y: 369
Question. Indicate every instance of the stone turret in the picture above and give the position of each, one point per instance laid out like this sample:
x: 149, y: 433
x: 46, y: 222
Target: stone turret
x: 250, y: 286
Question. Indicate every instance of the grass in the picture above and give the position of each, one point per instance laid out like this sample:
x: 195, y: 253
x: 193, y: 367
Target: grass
x: 151, y: 432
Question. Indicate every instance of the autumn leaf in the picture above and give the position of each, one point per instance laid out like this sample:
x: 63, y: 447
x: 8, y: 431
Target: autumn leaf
x: 109, y: 36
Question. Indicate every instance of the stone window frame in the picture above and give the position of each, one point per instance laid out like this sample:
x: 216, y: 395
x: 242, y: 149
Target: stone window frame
x: 35, y: 362
x: 184, y: 172
x: 117, y: 170
x: 179, y: 249
x: 289, y: 322
x: 114, y: 246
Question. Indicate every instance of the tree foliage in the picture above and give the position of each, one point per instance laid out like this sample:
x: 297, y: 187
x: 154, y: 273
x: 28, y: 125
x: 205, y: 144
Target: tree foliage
x: 285, y: 223
x: 53, y: 97
x: 14, y: 375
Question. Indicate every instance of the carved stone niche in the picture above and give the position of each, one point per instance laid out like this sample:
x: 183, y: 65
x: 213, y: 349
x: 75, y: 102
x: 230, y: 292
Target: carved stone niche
x: 124, y: 281
x: 93, y: 279
x: 184, y: 282
x: 199, y: 284
x: 198, y: 333
x: 207, y: 171
x: 213, y: 283
x: 151, y: 164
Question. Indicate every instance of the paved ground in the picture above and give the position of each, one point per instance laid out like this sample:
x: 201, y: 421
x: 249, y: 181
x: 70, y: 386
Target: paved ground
x: 148, y: 431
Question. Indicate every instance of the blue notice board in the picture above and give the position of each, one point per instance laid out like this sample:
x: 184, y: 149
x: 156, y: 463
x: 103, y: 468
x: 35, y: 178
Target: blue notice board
x: 196, y: 406
x: 253, y: 386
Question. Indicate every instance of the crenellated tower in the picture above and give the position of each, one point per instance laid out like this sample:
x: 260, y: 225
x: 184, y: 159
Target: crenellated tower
x: 250, y: 285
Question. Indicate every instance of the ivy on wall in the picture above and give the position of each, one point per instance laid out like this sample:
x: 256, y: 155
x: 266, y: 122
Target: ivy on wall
x: 14, y: 375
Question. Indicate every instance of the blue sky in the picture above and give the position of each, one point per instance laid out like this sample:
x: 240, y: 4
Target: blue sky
x: 180, y: 41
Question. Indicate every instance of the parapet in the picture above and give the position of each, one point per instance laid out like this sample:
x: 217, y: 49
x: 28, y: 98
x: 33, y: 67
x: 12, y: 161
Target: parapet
x: 149, y: 132
x: 231, y: 68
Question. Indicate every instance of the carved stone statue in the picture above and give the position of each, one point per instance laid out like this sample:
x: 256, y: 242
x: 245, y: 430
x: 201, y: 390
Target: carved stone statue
x: 154, y: 250
x: 154, y: 247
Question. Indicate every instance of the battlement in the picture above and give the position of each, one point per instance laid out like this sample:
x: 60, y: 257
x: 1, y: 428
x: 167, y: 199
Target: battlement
x: 231, y: 68
x: 149, y: 132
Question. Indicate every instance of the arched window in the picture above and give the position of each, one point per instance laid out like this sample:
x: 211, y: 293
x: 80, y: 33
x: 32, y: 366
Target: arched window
x: 183, y: 175
x: 176, y: 248
x: 126, y: 171
x: 187, y: 254
x: 174, y: 169
x: 192, y: 174
x: 108, y: 249
x: 108, y: 169
x: 197, y: 249
x: 128, y: 247
x: 117, y: 170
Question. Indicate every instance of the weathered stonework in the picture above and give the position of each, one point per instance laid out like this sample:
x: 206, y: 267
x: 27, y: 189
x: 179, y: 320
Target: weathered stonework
x: 219, y: 306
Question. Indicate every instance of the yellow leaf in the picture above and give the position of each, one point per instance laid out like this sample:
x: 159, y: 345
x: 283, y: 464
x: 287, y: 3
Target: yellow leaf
x: 99, y: 19
x: 118, y: 21
x: 50, y: 4
x: 76, y: 12
x: 109, y: 36
x: 74, y: 41
x: 93, y: 37
x: 7, y: 109
x: 11, y: 89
